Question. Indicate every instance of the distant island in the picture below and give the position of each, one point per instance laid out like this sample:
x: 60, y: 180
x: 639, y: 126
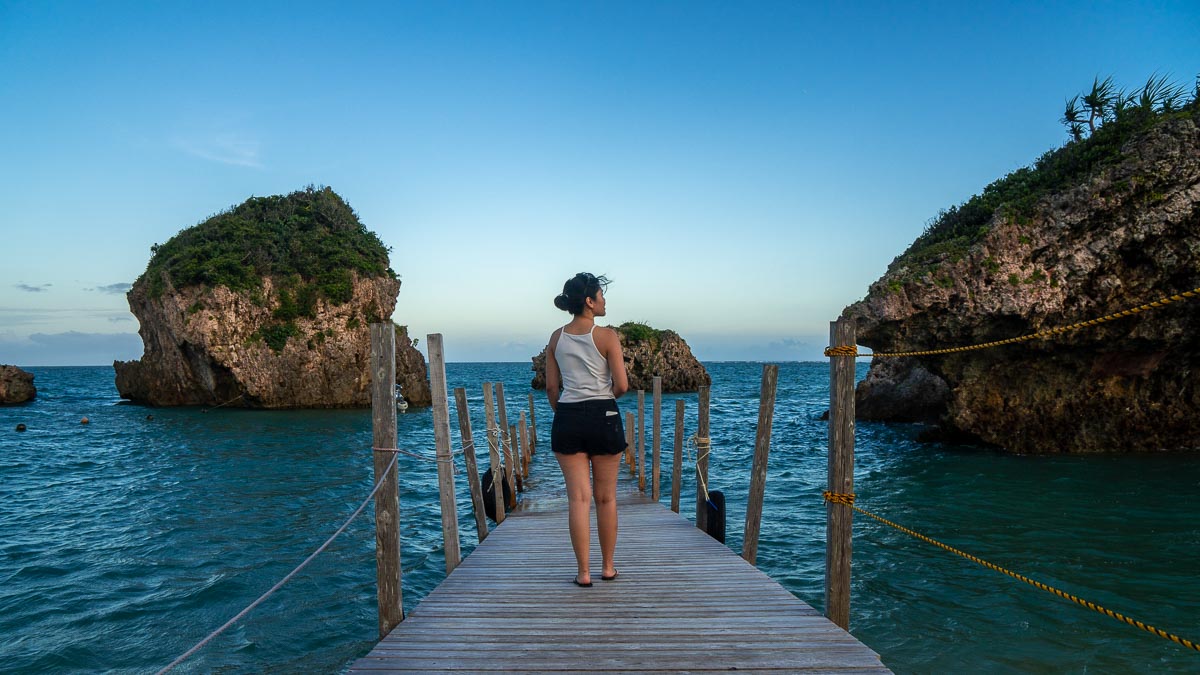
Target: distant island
x: 267, y: 305
x: 648, y: 352
x: 1109, y: 221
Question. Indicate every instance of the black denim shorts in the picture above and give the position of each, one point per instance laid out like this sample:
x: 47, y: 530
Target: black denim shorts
x: 592, y: 426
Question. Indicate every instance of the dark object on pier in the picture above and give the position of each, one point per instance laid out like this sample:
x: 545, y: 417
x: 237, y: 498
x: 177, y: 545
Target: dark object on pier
x: 715, y: 522
x: 489, y: 493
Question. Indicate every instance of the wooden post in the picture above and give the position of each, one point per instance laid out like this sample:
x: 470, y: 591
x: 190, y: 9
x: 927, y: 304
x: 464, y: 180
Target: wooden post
x: 445, y: 456
x: 514, y: 459
x: 532, y: 426
x: 494, y: 454
x: 387, y: 499
x: 523, y: 437
x: 703, y: 445
x: 629, y: 444
x: 468, y: 444
x: 677, y: 467
x: 656, y: 455
x: 839, y: 518
x: 758, y: 473
x: 641, y: 440
x: 506, y: 443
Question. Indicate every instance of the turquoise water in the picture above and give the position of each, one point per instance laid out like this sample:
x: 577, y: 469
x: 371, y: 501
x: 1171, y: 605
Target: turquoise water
x: 126, y: 541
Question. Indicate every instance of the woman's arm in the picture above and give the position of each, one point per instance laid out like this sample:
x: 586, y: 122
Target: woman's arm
x: 553, y: 377
x: 616, y: 361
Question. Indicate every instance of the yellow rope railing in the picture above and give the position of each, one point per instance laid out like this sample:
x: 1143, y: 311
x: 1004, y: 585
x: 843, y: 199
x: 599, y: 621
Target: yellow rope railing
x: 848, y: 500
x: 851, y: 350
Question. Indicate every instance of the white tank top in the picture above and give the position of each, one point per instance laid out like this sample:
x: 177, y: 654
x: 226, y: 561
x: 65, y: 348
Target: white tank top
x: 585, y: 372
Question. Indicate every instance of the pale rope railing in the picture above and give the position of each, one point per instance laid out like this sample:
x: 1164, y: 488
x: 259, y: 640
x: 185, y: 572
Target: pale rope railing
x: 183, y: 657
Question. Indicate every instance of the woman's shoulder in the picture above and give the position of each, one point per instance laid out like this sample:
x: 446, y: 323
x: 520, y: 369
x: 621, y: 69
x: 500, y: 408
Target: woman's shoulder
x: 607, y: 335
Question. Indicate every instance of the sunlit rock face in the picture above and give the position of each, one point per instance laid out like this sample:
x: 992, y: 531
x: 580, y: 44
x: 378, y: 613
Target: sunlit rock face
x: 1128, y: 234
x: 279, y: 318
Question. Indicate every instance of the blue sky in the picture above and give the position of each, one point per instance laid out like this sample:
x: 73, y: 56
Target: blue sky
x: 742, y: 171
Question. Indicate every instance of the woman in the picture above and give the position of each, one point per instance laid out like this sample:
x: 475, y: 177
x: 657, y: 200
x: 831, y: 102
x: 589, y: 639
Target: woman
x: 585, y: 374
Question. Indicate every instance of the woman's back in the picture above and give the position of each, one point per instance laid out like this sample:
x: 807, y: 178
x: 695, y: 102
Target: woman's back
x: 585, y: 372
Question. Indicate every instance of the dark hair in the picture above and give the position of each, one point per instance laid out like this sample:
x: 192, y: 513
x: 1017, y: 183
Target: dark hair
x: 577, y: 289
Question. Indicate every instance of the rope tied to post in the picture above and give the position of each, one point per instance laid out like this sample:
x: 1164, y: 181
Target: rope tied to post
x: 703, y: 446
x: 842, y: 350
x: 199, y: 645
x: 414, y: 455
x: 848, y: 500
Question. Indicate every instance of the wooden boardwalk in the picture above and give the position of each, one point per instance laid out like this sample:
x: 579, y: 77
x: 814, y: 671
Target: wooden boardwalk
x: 683, y: 603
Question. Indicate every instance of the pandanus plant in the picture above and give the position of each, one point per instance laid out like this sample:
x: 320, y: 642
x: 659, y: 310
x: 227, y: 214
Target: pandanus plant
x: 1104, y: 103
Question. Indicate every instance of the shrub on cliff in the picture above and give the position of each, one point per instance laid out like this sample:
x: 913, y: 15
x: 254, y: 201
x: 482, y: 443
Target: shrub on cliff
x: 310, y: 241
x: 639, y: 332
x: 1113, y: 117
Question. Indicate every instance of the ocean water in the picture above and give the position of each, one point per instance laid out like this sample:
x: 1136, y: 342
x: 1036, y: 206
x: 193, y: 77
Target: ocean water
x: 125, y: 541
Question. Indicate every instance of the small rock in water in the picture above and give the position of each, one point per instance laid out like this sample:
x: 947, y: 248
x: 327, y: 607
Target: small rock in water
x: 20, y: 427
x: 84, y: 420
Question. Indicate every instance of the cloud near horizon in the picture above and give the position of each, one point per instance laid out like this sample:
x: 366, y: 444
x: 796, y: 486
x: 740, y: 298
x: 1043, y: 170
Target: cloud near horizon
x: 29, y: 288
x: 71, y: 348
x: 224, y: 148
x: 113, y: 289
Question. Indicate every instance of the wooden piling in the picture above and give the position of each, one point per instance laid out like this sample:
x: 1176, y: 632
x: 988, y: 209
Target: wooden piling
x: 656, y: 454
x: 387, y: 499
x: 469, y: 462
x: 494, y: 454
x: 758, y: 472
x: 523, y: 437
x: 514, y: 461
x: 677, y: 465
x: 445, y: 455
x: 506, y: 444
x: 629, y: 444
x: 532, y: 426
x: 839, y: 518
x: 703, y: 446
x: 641, y: 440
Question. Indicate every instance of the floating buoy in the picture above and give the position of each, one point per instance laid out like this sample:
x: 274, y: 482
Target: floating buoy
x: 84, y: 420
x: 20, y: 427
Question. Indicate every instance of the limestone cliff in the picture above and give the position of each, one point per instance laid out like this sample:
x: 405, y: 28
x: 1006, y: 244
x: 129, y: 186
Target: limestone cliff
x: 1126, y: 232
x: 411, y: 372
x: 648, y: 352
x: 282, y: 323
x: 16, y: 386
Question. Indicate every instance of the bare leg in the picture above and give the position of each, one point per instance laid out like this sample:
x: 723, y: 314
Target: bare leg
x: 576, y: 472
x: 604, y: 484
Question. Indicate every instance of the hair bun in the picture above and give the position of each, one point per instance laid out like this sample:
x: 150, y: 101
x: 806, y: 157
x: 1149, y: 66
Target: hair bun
x: 562, y: 302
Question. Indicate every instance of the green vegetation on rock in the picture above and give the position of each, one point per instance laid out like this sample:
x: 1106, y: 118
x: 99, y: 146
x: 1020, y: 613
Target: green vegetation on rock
x: 1100, y: 124
x: 639, y: 332
x: 309, y: 242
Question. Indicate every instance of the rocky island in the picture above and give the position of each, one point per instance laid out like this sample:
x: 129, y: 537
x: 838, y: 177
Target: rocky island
x: 648, y: 352
x: 267, y: 305
x: 1108, y: 222
x: 16, y: 386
